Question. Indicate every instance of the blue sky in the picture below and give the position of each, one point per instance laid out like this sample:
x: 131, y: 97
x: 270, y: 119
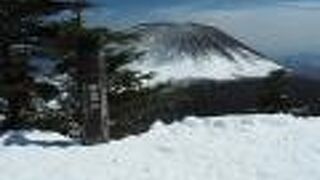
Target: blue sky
x: 276, y: 27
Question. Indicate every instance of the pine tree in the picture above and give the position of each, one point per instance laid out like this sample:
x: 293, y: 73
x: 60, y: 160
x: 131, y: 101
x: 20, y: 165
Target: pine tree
x: 89, y: 58
x: 21, y: 27
x: 273, y: 96
x: 94, y: 58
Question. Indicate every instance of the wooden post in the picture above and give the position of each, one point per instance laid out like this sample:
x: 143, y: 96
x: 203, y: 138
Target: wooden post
x: 94, y: 94
x: 104, y: 105
x: 95, y: 102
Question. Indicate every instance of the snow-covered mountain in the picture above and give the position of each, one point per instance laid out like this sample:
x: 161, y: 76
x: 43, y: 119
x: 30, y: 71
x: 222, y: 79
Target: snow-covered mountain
x: 176, y: 52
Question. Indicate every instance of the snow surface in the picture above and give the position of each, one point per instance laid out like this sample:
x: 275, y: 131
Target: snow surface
x: 234, y: 147
x: 244, y: 147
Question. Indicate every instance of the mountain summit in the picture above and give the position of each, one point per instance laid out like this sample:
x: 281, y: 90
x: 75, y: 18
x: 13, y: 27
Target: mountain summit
x: 190, y: 51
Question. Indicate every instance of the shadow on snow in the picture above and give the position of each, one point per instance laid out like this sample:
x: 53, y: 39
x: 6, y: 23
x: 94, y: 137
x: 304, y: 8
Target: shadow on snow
x: 18, y: 138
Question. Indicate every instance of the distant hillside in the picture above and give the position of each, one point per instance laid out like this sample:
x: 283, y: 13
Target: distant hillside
x: 305, y: 64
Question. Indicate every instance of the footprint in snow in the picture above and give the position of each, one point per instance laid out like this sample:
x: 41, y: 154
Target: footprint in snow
x: 219, y: 124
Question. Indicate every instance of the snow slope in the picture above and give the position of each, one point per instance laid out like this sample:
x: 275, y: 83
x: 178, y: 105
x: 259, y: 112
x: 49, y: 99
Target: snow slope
x: 242, y: 147
x: 179, y: 52
x: 205, y: 67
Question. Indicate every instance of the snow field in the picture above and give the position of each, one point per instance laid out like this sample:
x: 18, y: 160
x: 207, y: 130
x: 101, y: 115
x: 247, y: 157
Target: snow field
x: 233, y: 147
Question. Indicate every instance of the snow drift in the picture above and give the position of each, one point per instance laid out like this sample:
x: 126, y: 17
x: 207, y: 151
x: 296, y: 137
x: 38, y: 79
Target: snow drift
x: 175, y: 52
x: 244, y: 147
